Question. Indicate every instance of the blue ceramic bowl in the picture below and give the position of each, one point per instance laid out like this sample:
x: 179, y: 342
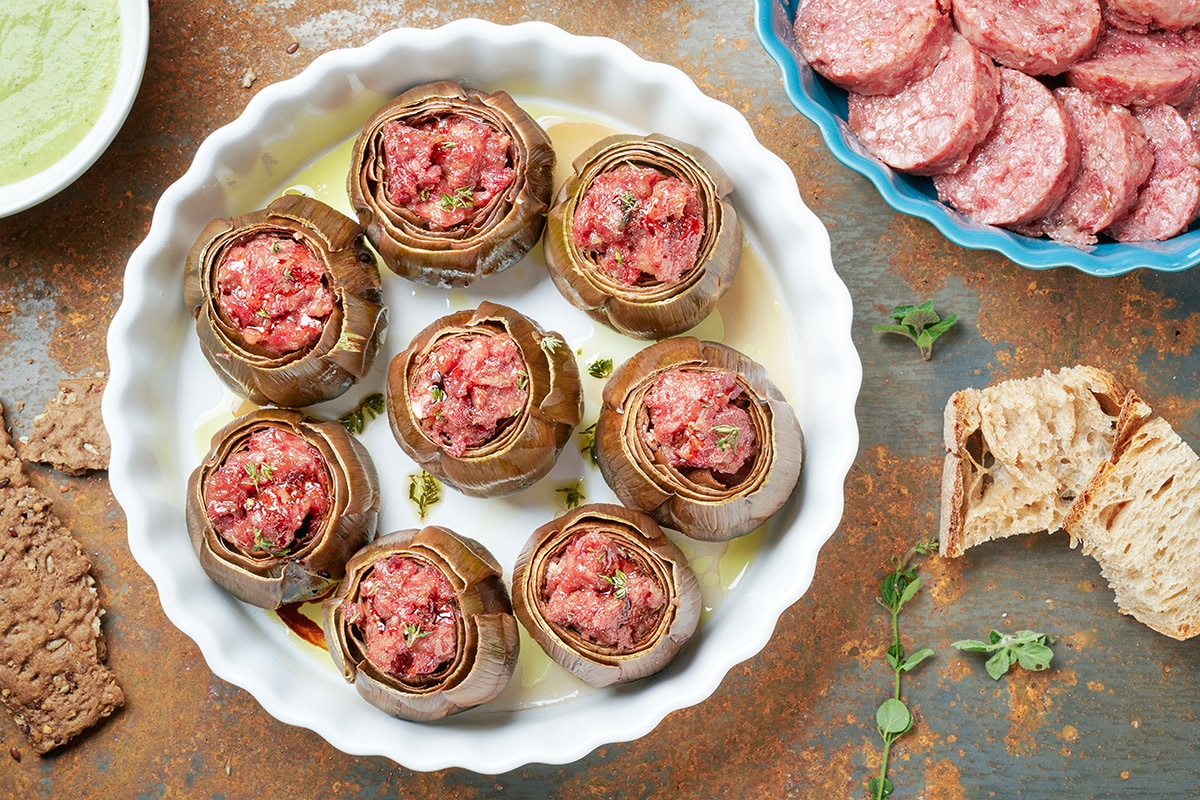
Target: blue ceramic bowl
x: 825, y: 105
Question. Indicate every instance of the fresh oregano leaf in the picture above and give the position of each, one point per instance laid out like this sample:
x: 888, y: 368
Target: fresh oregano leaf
x: 919, y: 323
x: 1029, y: 649
x: 893, y: 718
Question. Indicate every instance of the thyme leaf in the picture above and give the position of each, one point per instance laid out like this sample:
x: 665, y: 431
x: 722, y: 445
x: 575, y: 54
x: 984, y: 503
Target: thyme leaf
x: 572, y: 494
x: 727, y: 437
x: 257, y: 473
x: 921, y: 324
x: 600, y: 367
x: 412, y: 632
x: 629, y: 203
x: 588, y: 448
x: 367, y: 409
x: 462, y: 197
x: 424, y: 490
x: 264, y: 545
x: 551, y: 343
x: 619, y: 582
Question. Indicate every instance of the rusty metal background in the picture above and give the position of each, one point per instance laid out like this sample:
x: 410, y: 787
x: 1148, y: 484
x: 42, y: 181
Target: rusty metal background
x: 1115, y: 718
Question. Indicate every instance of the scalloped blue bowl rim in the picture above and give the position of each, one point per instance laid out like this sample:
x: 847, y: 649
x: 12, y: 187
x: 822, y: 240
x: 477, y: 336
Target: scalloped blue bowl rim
x: 825, y: 105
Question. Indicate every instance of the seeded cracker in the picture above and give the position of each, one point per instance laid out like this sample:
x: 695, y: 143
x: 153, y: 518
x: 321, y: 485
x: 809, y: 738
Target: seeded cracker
x: 52, y: 677
x: 70, y: 434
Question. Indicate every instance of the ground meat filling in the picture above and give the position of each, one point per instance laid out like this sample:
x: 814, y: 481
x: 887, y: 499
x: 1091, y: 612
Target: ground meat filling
x: 597, y: 589
x: 270, y: 494
x: 466, y: 388
x: 445, y: 168
x: 275, y: 290
x: 406, y: 614
x: 696, y: 423
x: 636, y: 222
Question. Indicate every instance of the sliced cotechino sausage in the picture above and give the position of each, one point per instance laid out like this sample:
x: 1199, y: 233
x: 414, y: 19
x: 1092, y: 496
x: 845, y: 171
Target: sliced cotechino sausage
x: 1042, y: 38
x: 933, y: 125
x: 1168, y: 200
x: 1136, y: 69
x: 1024, y: 166
x: 1143, y: 15
x: 873, y: 48
x: 1114, y: 160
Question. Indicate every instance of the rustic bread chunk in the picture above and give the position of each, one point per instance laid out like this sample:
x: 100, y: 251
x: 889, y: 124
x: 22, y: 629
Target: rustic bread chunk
x: 1019, y: 452
x: 70, y: 434
x: 52, y: 677
x: 1138, y: 518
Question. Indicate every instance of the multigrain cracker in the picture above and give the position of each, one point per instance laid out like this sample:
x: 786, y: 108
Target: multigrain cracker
x: 53, y: 679
x: 70, y: 434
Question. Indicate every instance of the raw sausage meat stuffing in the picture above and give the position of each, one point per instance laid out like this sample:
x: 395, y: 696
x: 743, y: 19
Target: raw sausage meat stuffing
x: 407, y: 616
x: 599, y: 590
x: 933, y: 125
x: 275, y: 291
x: 637, y: 221
x: 270, y: 494
x: 442, y: 170
x: 467, y: 387
x: 1143, y: 15
x: 697, y: 424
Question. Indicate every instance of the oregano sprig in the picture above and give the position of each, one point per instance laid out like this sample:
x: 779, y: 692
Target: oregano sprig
x: 1029, y: 649
x: 893, y: 718
x: 920, y: 323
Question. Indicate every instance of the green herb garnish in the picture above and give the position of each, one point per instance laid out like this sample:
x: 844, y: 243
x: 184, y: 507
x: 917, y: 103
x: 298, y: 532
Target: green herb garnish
x: 727, y: 436
x: 1027, y: 648
x: 920, y: 324
x: 276, y: 246
x: 619, y: 581
x: 522, y: 380
x: 600, y: 367
x: 893, y: 718
x: 367, y: 409
x: 437, y: 393
x: 588, y: 448
x: 629, y: 203
x: 424, y: 490
x: 262, y: 545
x: 412, y: 632
x: 262, y: 313
x: 461, y: 198
x: 572, y: 494
x: 258, y: 472
x: 550, y: 343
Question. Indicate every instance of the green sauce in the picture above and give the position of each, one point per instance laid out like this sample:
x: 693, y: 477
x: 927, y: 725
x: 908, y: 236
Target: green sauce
x: 58, y: 66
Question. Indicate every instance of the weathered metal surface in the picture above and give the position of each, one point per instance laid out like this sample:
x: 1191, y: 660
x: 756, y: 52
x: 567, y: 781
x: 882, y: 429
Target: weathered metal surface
x: 1115, y: 718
